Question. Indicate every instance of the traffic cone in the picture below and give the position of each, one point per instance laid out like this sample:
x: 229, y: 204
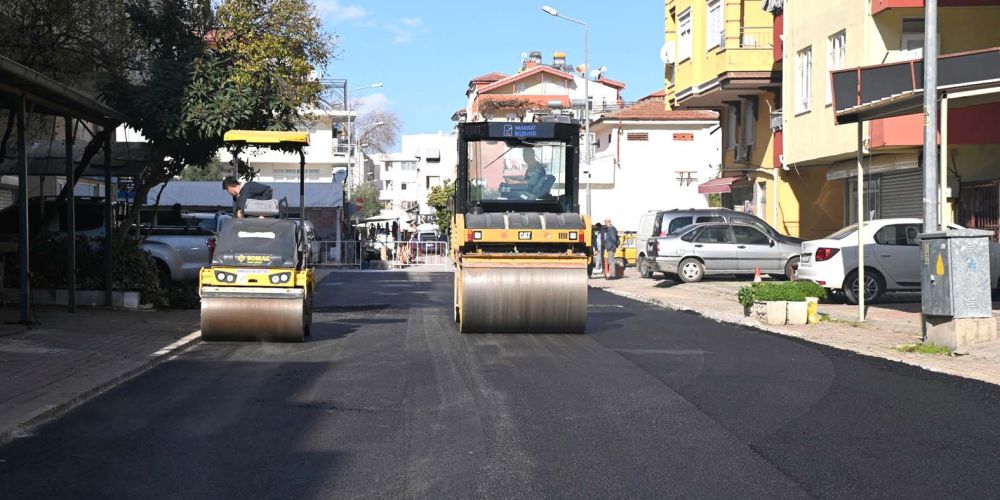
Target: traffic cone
x: 756, y: 274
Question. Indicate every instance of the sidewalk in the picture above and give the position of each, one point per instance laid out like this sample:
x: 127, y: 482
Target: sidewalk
x: 70, y: 358
x: 893, y: 322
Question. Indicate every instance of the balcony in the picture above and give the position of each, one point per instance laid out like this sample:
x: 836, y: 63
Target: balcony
x: 742, y: 64
x: 879, y: 6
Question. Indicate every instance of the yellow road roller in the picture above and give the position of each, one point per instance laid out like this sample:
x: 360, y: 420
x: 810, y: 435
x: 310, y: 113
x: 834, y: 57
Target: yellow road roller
x: 259, y: 287
x: 519, y: 243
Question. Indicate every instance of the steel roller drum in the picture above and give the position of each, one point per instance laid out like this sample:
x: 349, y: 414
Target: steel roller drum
x: 523, y: 300
x: 253, y: 314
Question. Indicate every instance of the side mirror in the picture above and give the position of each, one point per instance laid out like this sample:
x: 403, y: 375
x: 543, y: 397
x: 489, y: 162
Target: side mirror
x: 772, y: 242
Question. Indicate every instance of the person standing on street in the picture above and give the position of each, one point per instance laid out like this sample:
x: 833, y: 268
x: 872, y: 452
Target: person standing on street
x: 598, y: 239
x: 610, y: 246
x: 243, y: 192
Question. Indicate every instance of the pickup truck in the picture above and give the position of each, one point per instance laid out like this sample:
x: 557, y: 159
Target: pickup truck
x: 179, y: 251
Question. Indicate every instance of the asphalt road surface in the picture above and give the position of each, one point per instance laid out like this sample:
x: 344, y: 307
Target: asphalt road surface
x: 388, y: 400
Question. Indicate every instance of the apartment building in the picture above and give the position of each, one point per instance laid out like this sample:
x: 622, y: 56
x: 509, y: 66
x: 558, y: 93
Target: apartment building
x: 719, y: 55
x: 407, y: 177
x: 820, y: 37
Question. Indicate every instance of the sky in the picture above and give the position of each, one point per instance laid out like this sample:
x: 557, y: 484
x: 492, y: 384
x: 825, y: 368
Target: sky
x: 426, y: 51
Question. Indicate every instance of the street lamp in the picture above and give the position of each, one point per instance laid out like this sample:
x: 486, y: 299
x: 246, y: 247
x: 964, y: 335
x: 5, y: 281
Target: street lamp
x: 350, y: 134
x: 586, y: 92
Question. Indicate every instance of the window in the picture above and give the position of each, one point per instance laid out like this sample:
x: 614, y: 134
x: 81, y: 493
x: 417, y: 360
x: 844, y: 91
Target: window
x: 898, y: 235
x: 684, y: 35
x: 803, y: 83
x: 388, y: 185
x: 433, y: 180
x: 689, y: 236
x: 872, y: 199
x: 715, y: 234
x: 404, y: 185
x: 748, y: 105
x: 678, y: 224
x: 637, y: 136
x: 759, y: 224
x: 408, y: 166
x: 708, y: 218
x: 713, y: 37
x: 836, y: 52
x: 746, y: 235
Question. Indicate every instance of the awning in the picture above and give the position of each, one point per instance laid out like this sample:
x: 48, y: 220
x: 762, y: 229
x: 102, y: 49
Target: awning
x: 720, y: 185
x: 874, y: 165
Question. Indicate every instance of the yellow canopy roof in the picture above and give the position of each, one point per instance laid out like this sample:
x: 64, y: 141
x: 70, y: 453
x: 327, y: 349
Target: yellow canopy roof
x: 267, y: 137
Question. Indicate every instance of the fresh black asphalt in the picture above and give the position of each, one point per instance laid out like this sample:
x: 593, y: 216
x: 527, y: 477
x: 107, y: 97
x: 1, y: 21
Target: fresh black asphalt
x: 388, y: 400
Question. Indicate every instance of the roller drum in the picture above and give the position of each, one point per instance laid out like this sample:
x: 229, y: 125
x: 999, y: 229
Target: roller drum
x: 253, y: 317
x: 523, y: 300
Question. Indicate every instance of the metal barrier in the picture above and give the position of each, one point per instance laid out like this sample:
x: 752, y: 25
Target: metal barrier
x: 335, y: 254
x: 413, y: 255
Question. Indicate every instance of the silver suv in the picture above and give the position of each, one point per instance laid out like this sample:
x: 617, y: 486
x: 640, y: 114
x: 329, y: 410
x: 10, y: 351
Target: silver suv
x: 656, y: 223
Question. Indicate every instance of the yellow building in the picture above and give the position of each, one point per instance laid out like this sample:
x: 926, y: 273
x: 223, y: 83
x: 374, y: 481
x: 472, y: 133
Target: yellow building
x: 820, y: 157
x: 720, y: 55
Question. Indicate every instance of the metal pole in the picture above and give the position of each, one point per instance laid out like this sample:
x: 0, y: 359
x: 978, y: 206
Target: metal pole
x: 586, y: 107
x: 236, y: 175
x: 302, y: 188
x: 70, y: 218
x: 942, y: 198
x: 22, y: 216
x: 930, y: 118
x: 862, y: 289
x: 108, y: 222
x: 350, y: 151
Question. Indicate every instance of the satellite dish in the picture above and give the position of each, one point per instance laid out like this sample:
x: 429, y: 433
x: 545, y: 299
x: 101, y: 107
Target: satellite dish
x: 524, y: 55
x: 582, y: 69
x: 667, y: 53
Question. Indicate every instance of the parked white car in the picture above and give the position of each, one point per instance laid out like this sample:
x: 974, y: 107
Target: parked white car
x: 892, y: 259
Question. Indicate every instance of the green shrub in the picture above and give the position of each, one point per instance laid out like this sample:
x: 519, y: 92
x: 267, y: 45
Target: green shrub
x: 790, y: 291
x: 134, y: 269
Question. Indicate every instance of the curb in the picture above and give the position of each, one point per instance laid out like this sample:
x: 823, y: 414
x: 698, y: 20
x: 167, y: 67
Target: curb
x: 167, y: 353
x: 747, y: 322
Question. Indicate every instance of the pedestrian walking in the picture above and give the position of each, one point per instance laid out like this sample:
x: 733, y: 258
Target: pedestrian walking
x: 598, y: 240
x: 611, y: 243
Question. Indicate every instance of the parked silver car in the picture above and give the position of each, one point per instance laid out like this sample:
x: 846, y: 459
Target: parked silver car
x: 721, y: 249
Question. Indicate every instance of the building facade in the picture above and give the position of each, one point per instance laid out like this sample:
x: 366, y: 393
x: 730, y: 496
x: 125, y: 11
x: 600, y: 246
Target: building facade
x: 648, y: 158
x: 824, y: 37
x: 407, y: 177
x: 719, y: 55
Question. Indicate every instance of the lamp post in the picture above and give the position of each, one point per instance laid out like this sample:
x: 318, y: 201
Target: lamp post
x: 350, y: 134
x: 586, y: 92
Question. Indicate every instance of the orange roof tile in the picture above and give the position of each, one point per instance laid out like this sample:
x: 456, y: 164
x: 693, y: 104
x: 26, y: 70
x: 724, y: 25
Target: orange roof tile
x: 488, y: 77
x: 611, y: 83
x: 525, y: 74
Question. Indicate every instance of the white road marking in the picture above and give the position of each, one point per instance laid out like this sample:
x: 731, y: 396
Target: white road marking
x: 187, y: 339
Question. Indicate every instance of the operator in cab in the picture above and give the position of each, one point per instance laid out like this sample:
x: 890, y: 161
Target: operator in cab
x: 242, y: 192
x: 534, y: 174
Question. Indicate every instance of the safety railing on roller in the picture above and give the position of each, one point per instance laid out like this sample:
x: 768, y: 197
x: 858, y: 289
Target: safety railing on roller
x: 345, y: 254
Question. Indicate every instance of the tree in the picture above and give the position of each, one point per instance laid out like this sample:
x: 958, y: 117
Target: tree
x: 368, y: 193
x: 251, y: 72
x: 214, y: 171
x: 378, y: 130
x: 439, y: 198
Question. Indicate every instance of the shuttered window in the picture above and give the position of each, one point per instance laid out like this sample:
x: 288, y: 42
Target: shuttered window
x: 637, y: 136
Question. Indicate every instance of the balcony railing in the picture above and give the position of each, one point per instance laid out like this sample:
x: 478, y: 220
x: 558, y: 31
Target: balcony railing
x: 750, y: 37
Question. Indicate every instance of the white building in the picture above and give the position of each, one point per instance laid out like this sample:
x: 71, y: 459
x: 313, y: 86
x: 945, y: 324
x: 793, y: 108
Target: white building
x: 325, y: 155
x: 407, y: 177
x: 647, y: 158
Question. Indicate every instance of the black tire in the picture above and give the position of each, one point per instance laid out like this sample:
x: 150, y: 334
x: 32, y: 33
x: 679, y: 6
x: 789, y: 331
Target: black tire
x: 644, y: 271
x: 874, y: 284
x: 792, y: 269
x: 691, y: 270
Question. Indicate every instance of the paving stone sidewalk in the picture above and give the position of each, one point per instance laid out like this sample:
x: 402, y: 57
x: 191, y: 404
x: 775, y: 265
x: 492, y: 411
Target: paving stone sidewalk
x: 889, y: 324
x: 68, y: 359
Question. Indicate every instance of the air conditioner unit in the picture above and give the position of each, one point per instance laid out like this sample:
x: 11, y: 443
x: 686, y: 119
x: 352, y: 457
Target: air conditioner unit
x: 742, y: 153
x: 776, y: 120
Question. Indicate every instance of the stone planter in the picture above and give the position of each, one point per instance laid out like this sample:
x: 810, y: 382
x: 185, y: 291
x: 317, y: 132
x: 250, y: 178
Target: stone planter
x: 86, y: 298
x: 798, y: 313
x: 771, y: 312
x: 813, y: 313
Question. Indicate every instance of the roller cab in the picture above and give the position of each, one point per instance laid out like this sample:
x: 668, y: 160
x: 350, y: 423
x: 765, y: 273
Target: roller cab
x: 519, y: 242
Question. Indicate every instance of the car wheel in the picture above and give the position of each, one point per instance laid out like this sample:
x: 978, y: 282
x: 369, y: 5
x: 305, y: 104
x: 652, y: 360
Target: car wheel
x: 792, y: 269
x: 874, y: 286
x: 644, y: 269
x: 691, y: 270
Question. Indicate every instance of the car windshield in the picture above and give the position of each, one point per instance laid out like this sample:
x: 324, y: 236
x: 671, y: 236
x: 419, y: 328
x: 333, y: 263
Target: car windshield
x: 845, y: 232
x: 521, y: 172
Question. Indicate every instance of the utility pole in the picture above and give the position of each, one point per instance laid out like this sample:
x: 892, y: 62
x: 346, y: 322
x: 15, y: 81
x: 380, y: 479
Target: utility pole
x: 930, y: 117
